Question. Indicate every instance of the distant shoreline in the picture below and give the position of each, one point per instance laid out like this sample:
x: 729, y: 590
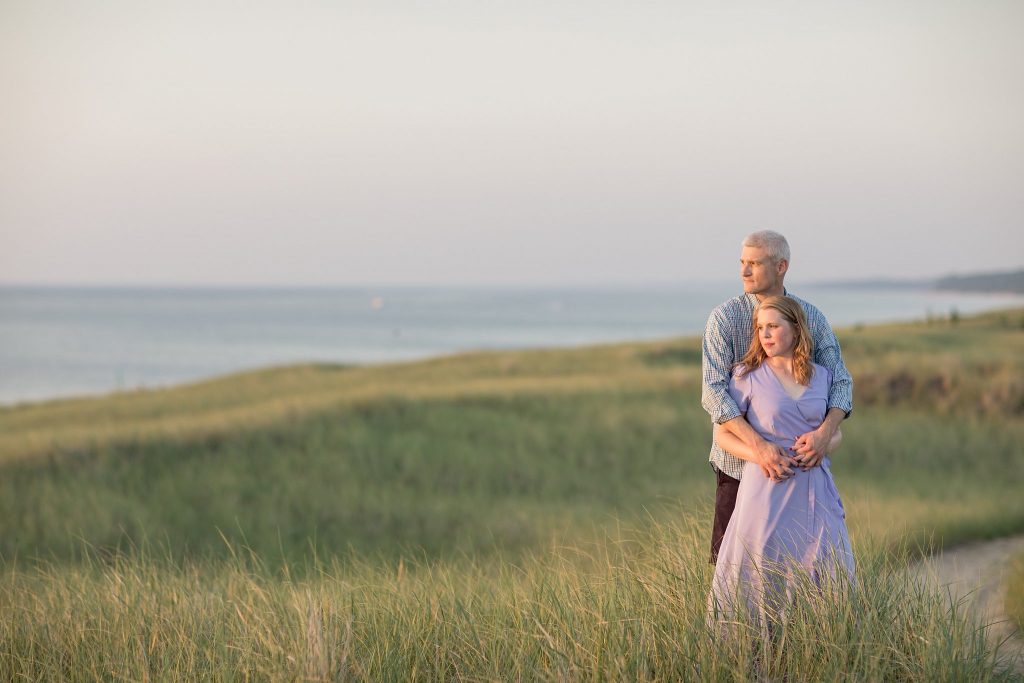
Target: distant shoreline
x: 996, y: 282
x: 1004, y: 282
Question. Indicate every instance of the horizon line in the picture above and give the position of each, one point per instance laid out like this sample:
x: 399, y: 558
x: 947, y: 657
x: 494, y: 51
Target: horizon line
x: 928, y: 280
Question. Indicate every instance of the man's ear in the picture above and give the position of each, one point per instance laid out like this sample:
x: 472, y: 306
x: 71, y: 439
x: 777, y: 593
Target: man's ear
x: 782, y: 266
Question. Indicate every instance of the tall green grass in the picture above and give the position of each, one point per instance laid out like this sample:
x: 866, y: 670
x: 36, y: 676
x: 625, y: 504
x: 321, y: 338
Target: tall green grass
x: 633, y: 607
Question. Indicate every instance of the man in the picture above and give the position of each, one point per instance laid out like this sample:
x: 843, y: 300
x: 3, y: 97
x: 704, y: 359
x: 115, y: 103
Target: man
x: 764, y: 260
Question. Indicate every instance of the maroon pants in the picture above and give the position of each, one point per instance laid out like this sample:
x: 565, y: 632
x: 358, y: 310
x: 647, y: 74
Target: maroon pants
x: 725, y: 501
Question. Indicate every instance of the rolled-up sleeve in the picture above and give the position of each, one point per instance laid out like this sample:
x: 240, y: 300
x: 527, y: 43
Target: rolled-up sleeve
x: 718, y: 357
x: 828, y: 354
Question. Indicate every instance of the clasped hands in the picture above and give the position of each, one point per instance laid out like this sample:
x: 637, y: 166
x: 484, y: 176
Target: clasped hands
x: 806, y: 452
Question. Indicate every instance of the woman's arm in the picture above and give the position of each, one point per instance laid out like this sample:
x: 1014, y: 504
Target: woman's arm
x: 774, y: 461
x: 733, y: 445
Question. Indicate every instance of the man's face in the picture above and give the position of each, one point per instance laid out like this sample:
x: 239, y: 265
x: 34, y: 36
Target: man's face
x: 759, y: 274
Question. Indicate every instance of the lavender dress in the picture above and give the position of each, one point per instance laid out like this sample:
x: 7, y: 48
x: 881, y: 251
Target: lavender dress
x: 781, y: 533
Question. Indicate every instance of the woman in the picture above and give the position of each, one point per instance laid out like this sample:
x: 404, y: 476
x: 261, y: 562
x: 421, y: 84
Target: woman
x: 782, y: 532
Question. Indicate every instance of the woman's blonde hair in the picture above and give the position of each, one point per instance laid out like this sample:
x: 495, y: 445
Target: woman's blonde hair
x: 803, y: 349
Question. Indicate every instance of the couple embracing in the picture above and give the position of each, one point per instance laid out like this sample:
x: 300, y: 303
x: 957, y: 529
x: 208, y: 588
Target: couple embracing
x: 776, y: 388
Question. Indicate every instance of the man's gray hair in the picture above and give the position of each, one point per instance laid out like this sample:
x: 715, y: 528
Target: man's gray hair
x: 771, y: 241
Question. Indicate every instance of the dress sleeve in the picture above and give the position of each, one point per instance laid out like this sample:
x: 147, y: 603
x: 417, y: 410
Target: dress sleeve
x: 739, y: 390
x: 828, y: 376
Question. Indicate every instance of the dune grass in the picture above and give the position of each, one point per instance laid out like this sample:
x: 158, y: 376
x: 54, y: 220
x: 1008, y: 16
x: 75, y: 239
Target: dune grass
x: 630, y: 608
x: 456, y: 518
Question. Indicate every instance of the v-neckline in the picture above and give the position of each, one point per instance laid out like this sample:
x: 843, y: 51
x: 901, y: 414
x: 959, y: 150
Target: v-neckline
x: 783, y: 386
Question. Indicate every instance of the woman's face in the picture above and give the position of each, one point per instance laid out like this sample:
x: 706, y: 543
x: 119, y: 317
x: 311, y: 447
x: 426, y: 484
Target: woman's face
x: 777, y: 335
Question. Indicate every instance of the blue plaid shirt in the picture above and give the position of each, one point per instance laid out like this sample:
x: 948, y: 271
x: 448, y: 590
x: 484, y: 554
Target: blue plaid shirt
x: 726, y: 339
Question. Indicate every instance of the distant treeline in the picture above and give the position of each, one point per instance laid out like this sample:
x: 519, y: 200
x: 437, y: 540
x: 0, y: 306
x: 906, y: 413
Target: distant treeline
x: 1012, y: 282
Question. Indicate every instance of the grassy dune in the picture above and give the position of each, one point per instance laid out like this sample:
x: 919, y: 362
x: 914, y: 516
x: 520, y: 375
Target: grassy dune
x: 973, y: 368
x: 462, y: 517
x: 630, y: 608
x: 497, y: 452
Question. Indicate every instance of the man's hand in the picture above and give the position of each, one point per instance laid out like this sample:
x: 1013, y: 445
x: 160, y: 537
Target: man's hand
x: 811, y: 448
x: 774, y: 462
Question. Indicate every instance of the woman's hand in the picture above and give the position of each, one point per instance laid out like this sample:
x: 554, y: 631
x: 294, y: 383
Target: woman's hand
x: 812, y: 447
x: 809, y: 452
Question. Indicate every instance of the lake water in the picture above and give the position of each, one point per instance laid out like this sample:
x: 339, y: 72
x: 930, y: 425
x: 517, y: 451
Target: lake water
x: 60, y: 341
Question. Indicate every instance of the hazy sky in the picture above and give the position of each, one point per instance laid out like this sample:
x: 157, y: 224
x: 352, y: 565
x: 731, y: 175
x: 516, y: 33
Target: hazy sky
x: 506, y: 142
